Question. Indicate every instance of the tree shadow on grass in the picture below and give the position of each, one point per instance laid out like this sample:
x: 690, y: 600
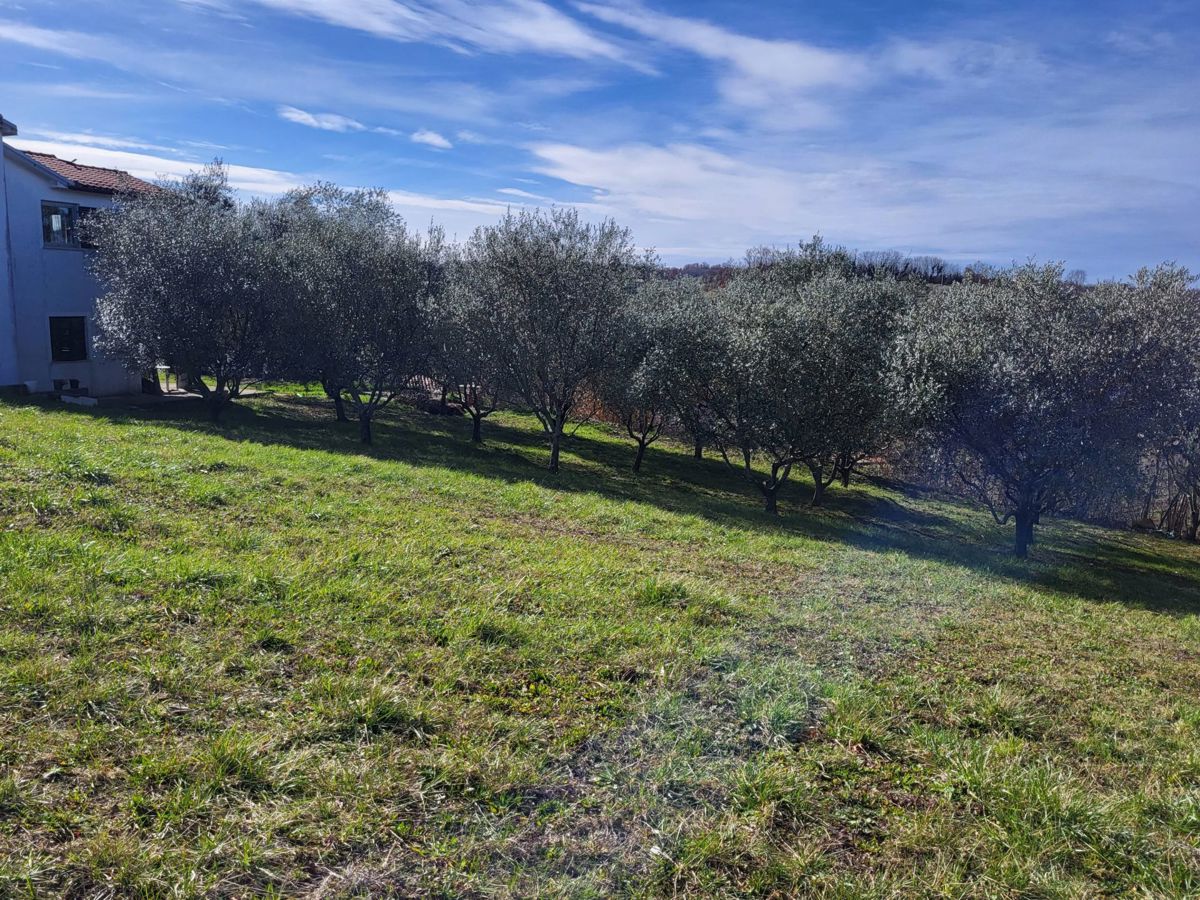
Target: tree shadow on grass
x: 883, y: 517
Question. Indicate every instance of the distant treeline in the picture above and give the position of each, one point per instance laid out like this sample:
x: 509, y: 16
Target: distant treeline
x: 867, y: 263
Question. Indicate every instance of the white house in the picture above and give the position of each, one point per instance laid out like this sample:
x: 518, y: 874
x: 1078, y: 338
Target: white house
x: 47, y: 292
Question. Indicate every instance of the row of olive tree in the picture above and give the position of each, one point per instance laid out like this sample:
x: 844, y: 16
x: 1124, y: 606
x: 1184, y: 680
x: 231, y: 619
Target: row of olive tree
x: 783, y: 367
x: 1030, y: 387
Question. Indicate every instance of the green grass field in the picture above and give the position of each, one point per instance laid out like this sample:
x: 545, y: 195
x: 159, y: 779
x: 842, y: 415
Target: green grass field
x: 257, y: 660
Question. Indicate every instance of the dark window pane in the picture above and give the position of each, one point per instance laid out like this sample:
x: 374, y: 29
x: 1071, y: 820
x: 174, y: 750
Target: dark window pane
x: 58, y: 225
x: 81, y: 226
x: 68, y: 338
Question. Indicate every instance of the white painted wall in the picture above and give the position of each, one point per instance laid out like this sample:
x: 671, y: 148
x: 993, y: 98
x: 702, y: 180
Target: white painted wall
x: 8, y: 322
x: 53, y: 282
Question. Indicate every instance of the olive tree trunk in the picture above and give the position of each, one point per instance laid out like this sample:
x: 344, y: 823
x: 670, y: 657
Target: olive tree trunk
x: 1023, y: 539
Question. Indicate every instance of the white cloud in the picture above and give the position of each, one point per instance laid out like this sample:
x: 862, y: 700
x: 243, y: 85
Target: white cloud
x: 250, y: 179
x: 412, y: 200
x: 279, y: 77
x: 962, y: 62
x: 96, y: 140
x: 1139, y: 41
x: 322, y: 121
x: 524, y: 195
x: 458, y: 217
x: 431, y: 139
x: 67, y: 43
x: 471, y: 137
x: 76, y: 91
x: 499, y: 26
x: 786, y: 85
x: 980, y: 196
x: 777, y: 80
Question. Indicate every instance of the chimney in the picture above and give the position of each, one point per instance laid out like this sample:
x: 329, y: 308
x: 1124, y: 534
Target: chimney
x: 7, y: 128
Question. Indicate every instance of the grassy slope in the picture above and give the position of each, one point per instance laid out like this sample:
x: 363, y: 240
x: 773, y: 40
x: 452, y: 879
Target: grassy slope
x: 255, y: 660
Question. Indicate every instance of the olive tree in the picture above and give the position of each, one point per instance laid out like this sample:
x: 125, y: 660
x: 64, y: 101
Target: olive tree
x: 319, y: 250
x: 383, y: 318
x: 762, y: 424
x: 553, y: 291
x: 634, y: 391
x: 1177, y: 463
x: 850, y: 316
x: 804, y: 378
x: 364, y: 288
x: 851, y: 327
x: 688, y: 354
x: 1035, y: 385
x: 189, y: 282
x: 465, y: 354
x: 1180, y: 463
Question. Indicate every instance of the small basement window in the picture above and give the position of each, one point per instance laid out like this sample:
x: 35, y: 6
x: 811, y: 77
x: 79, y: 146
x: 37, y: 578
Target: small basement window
x: 68, y: 338
x: 58, y: 224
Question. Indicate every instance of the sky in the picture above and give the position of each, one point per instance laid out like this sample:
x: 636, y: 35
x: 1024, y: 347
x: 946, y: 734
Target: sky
x: 990, y: 131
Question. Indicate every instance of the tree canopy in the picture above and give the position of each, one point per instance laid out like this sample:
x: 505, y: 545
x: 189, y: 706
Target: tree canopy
x: 555, y: 290
x: 188, y: 282
x: 1036, y: 384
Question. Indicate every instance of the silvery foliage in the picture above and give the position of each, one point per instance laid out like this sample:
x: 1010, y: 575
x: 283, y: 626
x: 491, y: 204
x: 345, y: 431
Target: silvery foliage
x: 1179, y: 445
x: 637, y: 390
x: 187, y: 273
x: 466, y: 355
x: 803, y: 378
x: 851, y: 323
x: 366, y: 289
x: 552, y: 293
x: 1037, y: 386
x: 687, y: 355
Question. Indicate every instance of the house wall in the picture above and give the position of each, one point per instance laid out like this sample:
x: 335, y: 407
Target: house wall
x: 8, y: 324
x: 51, y: 281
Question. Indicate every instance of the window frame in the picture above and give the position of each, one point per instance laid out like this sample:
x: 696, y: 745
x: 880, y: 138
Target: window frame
x: 55, y: 344
x: 73, y: 243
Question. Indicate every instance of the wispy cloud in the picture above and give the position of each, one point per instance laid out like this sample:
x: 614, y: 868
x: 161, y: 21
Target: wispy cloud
x: 961, y: 62
x: 431, y: 139
x: 78, y: 91
x: 250, y: 179
x: 524, y: 195
x: 471, y: 137
x: 788, y: 84
x: 497, y: 26
x: 331, y: 122
x: 778, y: 80
x: 213, y: 75
x: 1140, y: 41
x: 322, y: 121
x: 981, y: 136
x: 111, y: 142
x: 972, y: 195
x: 66, y: 43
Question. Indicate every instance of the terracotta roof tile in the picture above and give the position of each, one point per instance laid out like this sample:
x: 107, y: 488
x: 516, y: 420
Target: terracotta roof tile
x: 91, y: 178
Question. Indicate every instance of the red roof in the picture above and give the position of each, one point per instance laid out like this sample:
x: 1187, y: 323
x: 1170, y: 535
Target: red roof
x: 90, y: 178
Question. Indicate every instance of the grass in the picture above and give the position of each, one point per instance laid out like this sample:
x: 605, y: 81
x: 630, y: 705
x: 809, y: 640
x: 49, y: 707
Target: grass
x: 257, y: 660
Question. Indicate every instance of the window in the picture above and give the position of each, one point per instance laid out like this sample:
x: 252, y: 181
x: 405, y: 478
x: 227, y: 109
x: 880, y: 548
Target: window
x: 68, y: 338
x: 58, y: 225
x: 81, y: 223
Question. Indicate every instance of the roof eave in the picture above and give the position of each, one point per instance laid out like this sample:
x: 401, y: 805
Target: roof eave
x: 7, y: 128
x: 45, y: 170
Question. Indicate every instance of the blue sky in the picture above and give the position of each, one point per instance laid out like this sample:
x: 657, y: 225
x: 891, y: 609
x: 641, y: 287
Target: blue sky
x: 989, y: 131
